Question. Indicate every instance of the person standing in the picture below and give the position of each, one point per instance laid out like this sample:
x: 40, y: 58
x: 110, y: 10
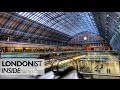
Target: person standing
x: 109, y: 70
x: 99, y: 70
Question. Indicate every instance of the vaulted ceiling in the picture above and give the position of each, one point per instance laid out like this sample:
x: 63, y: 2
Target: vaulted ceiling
x: 60, y: 26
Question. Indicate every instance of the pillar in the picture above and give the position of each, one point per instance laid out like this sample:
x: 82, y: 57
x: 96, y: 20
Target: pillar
x: 29, y: 40
x: 36, y: 41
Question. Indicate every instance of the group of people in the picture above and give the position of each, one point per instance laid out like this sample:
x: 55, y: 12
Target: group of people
x: 108, y: 70
x: 97, y: 68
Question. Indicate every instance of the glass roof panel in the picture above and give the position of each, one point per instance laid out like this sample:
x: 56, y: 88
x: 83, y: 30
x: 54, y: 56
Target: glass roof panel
x: 70, y: 23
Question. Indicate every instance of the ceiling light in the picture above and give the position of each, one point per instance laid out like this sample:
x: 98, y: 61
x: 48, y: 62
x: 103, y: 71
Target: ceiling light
x: 85, y: 38
x: 107, y: 15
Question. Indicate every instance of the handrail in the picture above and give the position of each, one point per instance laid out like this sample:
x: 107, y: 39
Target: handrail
x: 113, y: 75
x: 58, y: 64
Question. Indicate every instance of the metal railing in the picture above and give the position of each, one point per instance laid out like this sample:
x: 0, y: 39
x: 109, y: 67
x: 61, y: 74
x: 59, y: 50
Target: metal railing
x: 34, y: 55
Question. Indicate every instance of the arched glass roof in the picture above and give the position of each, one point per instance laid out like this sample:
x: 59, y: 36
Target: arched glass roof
x: 108, y: 24
x: 70, y: 23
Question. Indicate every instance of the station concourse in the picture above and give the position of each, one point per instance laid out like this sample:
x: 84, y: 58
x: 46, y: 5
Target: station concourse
x: 74, y: 45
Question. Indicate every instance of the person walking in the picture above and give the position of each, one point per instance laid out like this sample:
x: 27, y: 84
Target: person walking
x: 101, y: 66
x: 96, y: 68
x: 107, y: 70
x: 99, y: 70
